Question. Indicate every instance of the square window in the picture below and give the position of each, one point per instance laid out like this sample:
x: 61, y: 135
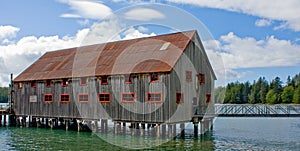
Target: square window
x: 208, y: 98
x: 83, y: 98
x: 65, y: 98
x: 48, y: 83
x: 179, y: 97
x: 33, y: 84
x: 83, y: 81
x: 48, y: 98
x: 201, y: 78
x: 104, y: 97
x: 65, y: 82
x: 154, y: 97
x: 104, y: 80
x: 188, y: 76
x: 153, y: 77
x: 128, y: 97
x: 127, y: 79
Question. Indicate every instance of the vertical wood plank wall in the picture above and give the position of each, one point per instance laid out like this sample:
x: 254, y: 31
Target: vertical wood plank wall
x: 194, y: 59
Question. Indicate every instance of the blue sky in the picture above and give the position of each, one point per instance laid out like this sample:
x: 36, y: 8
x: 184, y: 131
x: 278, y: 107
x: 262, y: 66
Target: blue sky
x: 253, y: 37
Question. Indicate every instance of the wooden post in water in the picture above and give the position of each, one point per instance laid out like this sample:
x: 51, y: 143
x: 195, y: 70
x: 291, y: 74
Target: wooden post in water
x: 67, y: 124
x: 174, y: 130
x: 195, y: 122
x: 4, y: 120
x: 182, y: 133
x: 163, y: 130
x: 0, y: 120
x: 170, y: 130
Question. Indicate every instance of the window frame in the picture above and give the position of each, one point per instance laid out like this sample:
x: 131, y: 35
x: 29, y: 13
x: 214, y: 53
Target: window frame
x: 45, y: 95
x: 101, y: 80
x: 48, y: 85
x: 208, y: 98
x: 20, y: 85
x: 128, y: 78
x: 201, y: 78
x: 83, y: 79
x: 65, y: 82
x: 33, y: 84
x: 83, y: 94
x: 189, y: 76
x: 104, y: 101
x: 154, y: 93
x: 128, y: 101
x: 151, y: 77
x: 181, y: 100
x: 60, y: 98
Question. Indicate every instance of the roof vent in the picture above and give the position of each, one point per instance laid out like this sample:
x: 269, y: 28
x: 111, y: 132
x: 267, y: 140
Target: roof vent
x: 165, y: 46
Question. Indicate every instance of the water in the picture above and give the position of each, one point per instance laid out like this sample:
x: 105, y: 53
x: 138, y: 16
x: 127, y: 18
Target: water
x: 228, y: 134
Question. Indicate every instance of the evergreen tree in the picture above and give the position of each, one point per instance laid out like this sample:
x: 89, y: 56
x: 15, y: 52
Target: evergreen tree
x: 272, y: 97
x: 287, y: 94
x: 296, y: 97
x: 276, y: 86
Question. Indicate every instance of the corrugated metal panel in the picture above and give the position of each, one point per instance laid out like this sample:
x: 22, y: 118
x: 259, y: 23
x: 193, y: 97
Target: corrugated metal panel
x: 141, y: 55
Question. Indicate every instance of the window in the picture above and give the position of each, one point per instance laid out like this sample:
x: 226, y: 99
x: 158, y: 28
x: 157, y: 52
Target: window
x: 48, y: 83
x: 208, y: 98
x: 153, y: 77
x: 48, y: 98
x: 104, y: 97
x: 83, y: 81
x: 33, y: 84
x: 83, y: 98
x: 179, y: 97
x: 127, y: 79
x: 65, y: 98
x: 65, y: 82
x: 201, y: 78
x: 188, y: 76
x: 128, y: 97
x: 104, y: 79
x: 20, y: 85
x: 154, y: 97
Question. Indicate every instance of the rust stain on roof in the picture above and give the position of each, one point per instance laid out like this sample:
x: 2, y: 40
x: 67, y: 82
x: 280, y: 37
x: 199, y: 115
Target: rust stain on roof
x: 142, y: 55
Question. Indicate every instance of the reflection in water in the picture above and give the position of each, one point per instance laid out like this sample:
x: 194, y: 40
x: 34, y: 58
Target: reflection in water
x: 228, y: 133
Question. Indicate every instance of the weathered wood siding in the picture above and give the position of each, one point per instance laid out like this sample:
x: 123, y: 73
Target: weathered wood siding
x: 194, y: 59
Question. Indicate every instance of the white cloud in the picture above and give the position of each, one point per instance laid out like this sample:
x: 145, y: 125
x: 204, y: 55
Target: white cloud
x: 263, y: 22
x: 132, y: 33
x: 143, y: 14
x: 8, y: 31
x: 86, y: 9
x: 248, y: 52
x: 16, y: 56
x: 287, y: 11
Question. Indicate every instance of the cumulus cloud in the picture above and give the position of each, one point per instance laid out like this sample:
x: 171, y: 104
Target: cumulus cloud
x: 86, y: 9
x: 144, y: 14
x: 249, y: 52
x: 263, y: 22
x: 8, y: 31
x: 17, y: 56
x: 287, y: 11
x: 132, y: 33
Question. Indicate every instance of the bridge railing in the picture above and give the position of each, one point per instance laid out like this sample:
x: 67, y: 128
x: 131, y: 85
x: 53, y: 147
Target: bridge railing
x: 257, y: 109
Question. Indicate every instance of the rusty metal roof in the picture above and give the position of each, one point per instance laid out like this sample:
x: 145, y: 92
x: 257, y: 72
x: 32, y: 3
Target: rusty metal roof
x: 142, y: 55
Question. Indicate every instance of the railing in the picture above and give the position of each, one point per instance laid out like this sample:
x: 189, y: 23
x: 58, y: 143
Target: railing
x: 256, y: 110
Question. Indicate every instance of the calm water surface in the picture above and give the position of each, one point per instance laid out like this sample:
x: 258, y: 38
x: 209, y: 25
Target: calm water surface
x: 227, y: 134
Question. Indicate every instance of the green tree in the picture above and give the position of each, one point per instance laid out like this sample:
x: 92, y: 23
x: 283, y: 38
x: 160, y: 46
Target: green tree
x: 254, y: 93
x: 296, y: 97
x: 276, y: 86
x: 287, y: 94
x: 272, y: 97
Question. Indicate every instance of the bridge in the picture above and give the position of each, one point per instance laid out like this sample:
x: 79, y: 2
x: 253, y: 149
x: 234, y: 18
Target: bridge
x: 257, y: 110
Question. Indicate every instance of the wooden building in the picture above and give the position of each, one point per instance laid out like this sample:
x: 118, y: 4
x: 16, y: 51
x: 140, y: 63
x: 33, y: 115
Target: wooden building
x: 159, y: 79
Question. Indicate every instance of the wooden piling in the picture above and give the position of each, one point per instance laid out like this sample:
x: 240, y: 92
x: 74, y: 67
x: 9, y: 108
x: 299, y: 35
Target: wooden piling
x: 182, y: 133
x: 4, y: 120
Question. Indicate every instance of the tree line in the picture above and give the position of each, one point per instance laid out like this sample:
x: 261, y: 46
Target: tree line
x: 3, y: 94
x: 261, y: 91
